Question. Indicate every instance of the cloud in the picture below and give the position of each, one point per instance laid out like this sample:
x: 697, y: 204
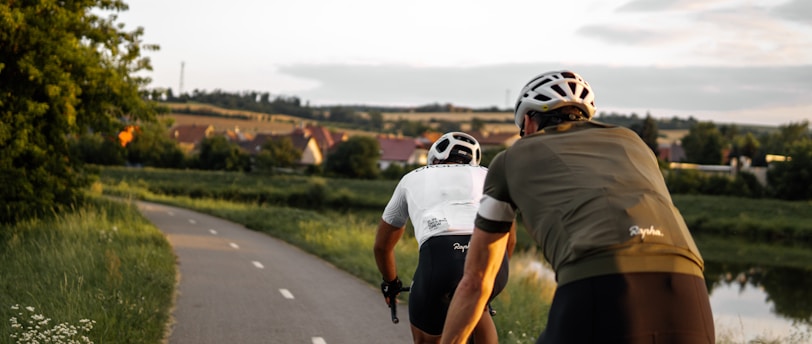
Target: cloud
x: 752, y: 35
x: 797, y: 10
x: 627, y: 35
x: 709, y: 33
x: 680, y: 89
x: 663, y: 5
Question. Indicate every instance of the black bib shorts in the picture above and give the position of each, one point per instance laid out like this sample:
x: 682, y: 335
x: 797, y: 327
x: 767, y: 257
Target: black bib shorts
x: 633, y: 308
x: 439, y: 270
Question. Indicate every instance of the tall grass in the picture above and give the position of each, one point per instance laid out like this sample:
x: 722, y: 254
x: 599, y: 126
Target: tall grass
x: 104, y: 263
x: 522, y: 307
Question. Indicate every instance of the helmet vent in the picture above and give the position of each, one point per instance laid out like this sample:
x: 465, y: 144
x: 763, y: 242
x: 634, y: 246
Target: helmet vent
x: 584, y: 93
x: 558, y: 90
x: 463, y: 138
x: 568, y: 75
x: 572, y: 86
x: 541, y: 98
x: 442, y: 146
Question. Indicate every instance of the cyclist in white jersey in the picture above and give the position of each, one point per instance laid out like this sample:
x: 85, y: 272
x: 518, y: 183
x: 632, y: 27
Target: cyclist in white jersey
x: 441, y: 200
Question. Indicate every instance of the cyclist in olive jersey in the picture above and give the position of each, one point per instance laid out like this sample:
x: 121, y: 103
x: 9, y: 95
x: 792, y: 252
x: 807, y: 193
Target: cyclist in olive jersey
x: 441, y: 200
x: 594, y: 199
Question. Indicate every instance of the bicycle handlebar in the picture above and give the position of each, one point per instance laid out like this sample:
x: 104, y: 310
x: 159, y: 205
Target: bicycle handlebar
x: 393, y: 305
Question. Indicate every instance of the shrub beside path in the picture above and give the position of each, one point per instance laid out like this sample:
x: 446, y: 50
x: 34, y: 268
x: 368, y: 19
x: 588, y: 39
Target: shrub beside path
x: 240, y: 286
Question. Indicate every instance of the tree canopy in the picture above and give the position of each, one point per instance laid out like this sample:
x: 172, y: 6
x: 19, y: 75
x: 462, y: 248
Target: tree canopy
x: 64, y: 71
x: 356, y: 158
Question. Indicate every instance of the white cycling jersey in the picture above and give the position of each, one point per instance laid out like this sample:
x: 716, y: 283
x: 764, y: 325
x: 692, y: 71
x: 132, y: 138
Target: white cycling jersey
x: 439, y: 200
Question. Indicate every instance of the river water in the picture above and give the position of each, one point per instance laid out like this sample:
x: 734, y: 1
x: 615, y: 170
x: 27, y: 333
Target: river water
x: 751, y: 303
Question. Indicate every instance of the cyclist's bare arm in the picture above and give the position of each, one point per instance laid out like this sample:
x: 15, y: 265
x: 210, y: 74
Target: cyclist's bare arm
x: 385, y: 240
x: 482, y: 262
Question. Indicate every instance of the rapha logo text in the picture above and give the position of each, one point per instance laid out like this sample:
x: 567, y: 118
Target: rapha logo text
x: 643, y: 232
x: 461, y: 247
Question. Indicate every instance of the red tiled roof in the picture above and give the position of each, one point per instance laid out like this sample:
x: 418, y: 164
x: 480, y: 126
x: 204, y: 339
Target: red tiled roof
x: 190, y: 133
x: 322, y: 136
x: 397, y: 148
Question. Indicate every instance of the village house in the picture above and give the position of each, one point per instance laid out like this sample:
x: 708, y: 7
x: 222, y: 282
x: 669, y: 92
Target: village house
x: 311, y: 153
x: 189, y: 136
x: 325, y: 139
x: 671, y: 152
x: 401, y: 150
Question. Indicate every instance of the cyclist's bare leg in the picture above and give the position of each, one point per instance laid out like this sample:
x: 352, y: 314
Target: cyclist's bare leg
x: 421, y: 337
x: 485, y: 330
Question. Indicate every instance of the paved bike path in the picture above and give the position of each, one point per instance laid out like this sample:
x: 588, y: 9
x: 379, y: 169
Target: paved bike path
x: 242, y: 286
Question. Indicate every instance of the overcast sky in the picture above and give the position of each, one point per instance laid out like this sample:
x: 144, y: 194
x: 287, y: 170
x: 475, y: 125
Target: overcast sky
x: 740, y: 61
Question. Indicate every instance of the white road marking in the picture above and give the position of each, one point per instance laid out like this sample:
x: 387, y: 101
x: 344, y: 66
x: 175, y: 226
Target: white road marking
x: 258, y: 265
x: 192, y: 221
x: 286, y: 293
x: 234, y: 245
x: 213, y: 232
x: 319, y: 340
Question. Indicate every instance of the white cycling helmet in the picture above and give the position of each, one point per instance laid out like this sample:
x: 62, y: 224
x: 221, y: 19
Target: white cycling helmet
x: 455, y: 146
x: 553, y: 90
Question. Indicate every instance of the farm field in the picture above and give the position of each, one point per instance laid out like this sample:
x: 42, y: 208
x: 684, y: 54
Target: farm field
x: 254, y: 122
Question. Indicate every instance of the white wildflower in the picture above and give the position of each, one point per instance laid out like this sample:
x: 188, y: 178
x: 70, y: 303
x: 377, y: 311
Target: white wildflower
x: 35, y: 333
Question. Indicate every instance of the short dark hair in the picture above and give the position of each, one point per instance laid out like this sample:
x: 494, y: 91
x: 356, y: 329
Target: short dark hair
x: 557, y: 116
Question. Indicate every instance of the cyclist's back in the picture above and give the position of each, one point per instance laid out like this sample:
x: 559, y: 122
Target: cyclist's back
x: 441, y: 201
x: 595, y: 201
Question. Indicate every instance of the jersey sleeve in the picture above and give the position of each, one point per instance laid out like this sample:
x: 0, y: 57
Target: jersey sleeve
x: 496, y: 210
x: 396, y: 212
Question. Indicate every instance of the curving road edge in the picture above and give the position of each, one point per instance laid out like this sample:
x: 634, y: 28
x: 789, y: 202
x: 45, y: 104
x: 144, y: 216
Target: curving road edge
x: 241, y: 286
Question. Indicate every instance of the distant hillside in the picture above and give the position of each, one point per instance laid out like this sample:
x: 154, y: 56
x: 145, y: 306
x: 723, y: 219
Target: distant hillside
x: 670, y: 130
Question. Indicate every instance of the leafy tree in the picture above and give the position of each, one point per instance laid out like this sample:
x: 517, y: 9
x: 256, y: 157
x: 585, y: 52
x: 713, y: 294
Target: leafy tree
x: 152, y: 146
x: 792, y: 180
x: 488, y: 154
x: 393, y: 172
x: 343, y: 114
x: 95, y: 148
x: 703, y: 144
x: 64, y: 71
x: 278, y: 152
x: 217, y: 153
x: 749, y: 145
x: 376, y: 120
x: 477, y: 124
x: 780, y: 141
x: 356, y: 158
x: 647, y: 130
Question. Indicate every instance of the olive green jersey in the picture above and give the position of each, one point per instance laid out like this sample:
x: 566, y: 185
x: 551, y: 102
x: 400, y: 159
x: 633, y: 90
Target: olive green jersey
x: 594, y: 199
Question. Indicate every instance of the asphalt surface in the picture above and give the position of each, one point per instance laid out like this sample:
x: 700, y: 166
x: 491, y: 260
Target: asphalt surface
x: 241, y: 286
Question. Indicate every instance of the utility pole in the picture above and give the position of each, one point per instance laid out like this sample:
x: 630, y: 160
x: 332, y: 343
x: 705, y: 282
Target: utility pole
x: 180, y: 88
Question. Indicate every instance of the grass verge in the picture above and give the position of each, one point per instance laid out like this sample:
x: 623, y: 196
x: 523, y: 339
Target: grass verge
x: 104, y: 263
